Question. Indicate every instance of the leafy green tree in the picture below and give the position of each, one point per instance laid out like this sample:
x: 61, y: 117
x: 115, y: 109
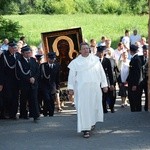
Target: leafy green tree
x: 73, y: 6
x: 63, y: 6
x: 96, y: 6
x: 136, y: 6
x: 9, y: 29
x: 12, y: 8
x: 83, y: 6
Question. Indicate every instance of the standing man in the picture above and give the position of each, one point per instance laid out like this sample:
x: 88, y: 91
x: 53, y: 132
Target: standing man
x: 134, y: 78
x: 126, y: 40
x: 135, y: 37
x: 40, y: 97
x: 10, y: 84
x: 27, y: 71
x: 2, y: 116
x: 107, y: 97
x: 49, y: 82
x: 86, y: 77
x: 144, y: 83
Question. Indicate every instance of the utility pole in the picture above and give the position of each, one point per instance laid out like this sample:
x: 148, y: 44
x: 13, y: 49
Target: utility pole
x: 149, y: 58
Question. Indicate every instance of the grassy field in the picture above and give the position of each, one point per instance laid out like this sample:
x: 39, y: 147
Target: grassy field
x: 93, y: 26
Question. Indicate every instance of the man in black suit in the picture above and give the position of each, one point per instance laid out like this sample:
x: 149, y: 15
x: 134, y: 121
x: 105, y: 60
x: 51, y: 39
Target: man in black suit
x: 27, y: 71
x: 9, y: 81
x: 144, y: 82
x: 107, y: 97
x: 134, y: 78
x: 49, y: 81
x: 2, y: 116
x: 40, y: 97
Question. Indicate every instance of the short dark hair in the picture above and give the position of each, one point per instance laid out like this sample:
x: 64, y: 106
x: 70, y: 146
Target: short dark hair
x: 120, y: 43
x: 22, y: 37
x: 145, y: 47
x: 127, y: 31
x: 83, y: 43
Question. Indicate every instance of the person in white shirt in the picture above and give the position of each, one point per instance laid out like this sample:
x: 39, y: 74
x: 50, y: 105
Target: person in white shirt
x: 108, y: 47
x: 126, y: 40
x: 102, y: 41
x: 4, y: 46
x: 135, y: 37
x: 117, y: 52
x: 86, y: 78
x: 93, y: 46
x: 123, y: 66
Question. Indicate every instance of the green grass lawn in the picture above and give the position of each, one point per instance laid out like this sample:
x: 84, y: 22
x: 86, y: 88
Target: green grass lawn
x: 93, y: 26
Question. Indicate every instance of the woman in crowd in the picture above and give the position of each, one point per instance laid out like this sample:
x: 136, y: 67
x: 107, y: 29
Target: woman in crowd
x: 123, y: 66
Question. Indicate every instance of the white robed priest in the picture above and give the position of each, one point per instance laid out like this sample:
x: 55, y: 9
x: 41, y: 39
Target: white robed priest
x: 85, y: 80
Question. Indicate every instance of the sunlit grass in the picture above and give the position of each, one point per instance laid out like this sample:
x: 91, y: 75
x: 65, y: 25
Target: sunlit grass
x: 93, y: 26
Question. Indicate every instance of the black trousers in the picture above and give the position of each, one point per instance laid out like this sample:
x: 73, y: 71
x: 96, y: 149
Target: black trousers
x: 49, y: 99
x: 11, y: 96
x: 134, y: 98
x: 1, y: 105
x: 109, y: 99
x: 29, y: 103
x: 144, y: 87
x: 40, y: 100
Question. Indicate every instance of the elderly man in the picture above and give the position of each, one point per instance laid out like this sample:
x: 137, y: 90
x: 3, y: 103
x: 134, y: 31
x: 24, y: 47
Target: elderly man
x: 86, y: 77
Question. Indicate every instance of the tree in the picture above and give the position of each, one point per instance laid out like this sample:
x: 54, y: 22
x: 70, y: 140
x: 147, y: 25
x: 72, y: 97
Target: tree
x: 9, y: 29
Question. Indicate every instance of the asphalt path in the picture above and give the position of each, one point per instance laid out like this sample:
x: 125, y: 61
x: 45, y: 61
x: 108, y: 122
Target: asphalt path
x: 122, y: 130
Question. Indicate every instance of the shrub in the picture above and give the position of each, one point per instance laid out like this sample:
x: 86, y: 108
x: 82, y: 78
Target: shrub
x: 96, y: 6
x: 63, y: 6
x: 9, y: 29
x: 11, y: 8
x: 110, y: 6
x: 83, y: 6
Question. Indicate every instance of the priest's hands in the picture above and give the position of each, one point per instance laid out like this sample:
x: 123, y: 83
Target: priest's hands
x: 112, y: 87
x: 70, y: 92
x: 105, y: 89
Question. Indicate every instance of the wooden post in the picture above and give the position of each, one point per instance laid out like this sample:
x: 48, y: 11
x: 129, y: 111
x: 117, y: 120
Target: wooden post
x: 149, y: 58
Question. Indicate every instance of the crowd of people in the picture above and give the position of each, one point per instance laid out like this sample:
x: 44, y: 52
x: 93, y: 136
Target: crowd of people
x: 31, y: 87
x: 121, y: 69
x: 27, y: 86
x: 93, y: 83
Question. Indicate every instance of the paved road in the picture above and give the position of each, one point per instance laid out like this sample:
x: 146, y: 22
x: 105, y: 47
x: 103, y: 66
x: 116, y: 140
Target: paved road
x: 121, y: 130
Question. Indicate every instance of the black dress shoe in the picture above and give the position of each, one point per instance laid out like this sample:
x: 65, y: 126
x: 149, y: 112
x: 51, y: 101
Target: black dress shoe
x: 3, y: 117
x: 26, y: 117
x: 146, y: 109
x: 105, y: 111
x: 51, y: 115
x: 23, y: 117
x: 36, y: 118
x: 13, y: 118
x: 112, y: 110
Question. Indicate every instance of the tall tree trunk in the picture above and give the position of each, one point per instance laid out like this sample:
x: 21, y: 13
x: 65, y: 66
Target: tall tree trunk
x: 149, y: 58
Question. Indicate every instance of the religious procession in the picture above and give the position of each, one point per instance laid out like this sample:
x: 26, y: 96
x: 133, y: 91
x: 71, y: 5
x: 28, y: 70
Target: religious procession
x: 31, y: 80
